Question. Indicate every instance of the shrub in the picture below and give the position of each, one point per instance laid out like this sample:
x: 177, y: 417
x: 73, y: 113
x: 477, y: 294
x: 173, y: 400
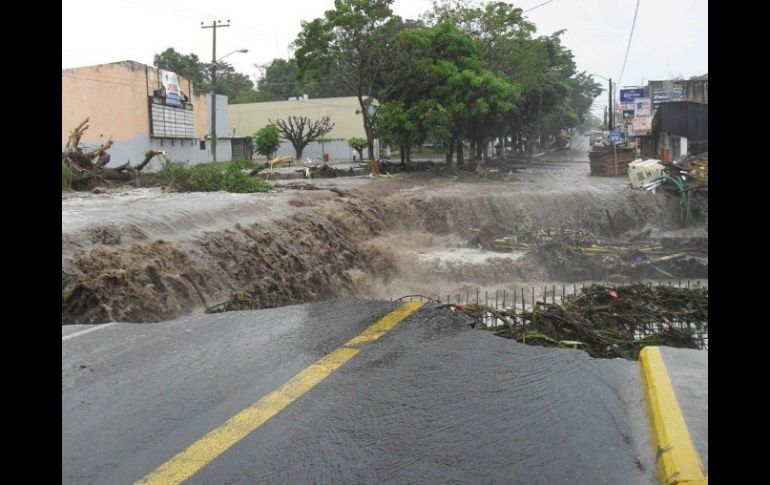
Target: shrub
x: 267, y: 140
x: 228, y: 176
x: 358, y: 144
x: 171, y: 176
x: 205, y: 178
x: 234, y: 180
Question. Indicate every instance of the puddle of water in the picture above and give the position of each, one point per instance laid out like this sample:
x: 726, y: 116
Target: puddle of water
x: 465, y: 255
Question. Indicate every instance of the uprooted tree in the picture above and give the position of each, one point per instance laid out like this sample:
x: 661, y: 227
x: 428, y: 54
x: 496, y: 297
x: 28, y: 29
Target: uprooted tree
x: 90, y: 167
x: 300, y: 130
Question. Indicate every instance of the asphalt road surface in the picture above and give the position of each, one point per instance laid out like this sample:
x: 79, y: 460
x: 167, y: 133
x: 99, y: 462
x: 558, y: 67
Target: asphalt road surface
x: 430, y: 401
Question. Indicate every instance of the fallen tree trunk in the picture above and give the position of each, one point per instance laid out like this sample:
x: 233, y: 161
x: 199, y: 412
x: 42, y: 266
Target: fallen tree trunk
x: 91, y: 166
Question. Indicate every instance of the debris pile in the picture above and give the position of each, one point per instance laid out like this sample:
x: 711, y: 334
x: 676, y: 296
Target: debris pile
x: 604, y: 321
x: 588, y: 256
x: 89, y: 167
x: 686, y: 177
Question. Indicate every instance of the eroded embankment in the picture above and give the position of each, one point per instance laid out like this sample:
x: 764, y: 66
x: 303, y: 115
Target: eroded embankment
x: 350, y: 242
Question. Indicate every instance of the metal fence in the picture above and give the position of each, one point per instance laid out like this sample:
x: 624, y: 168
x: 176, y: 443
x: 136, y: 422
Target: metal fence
x: 520, y: 303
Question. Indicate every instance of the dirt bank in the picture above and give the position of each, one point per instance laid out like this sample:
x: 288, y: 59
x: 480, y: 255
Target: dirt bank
x: 145, y: 256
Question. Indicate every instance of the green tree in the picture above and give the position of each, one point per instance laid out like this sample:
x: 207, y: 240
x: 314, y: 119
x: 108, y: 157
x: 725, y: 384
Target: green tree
x: 252, y: 96
x: 187, y: 65
x: 235, y: 85
x: 358, y: 144
x: 354, y: 41
x: 280, y: 79
x: 426, y: 58
x: 267, y: 140
x: 449, y: 97
x: 301, y: 130
x: 230, y: 82
x: 553, y: 95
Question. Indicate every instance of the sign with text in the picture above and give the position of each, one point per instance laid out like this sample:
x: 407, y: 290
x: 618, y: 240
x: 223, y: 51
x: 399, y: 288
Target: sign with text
x: 659, y: 96
x: 171, y: 86
x: 629, y: 95
x: 641, y: 125
x: 615, y: 136
x: 642, y: 107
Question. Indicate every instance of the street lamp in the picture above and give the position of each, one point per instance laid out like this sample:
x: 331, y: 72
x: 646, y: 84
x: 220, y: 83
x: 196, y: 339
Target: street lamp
x: 214, y: 100
x: 610, y: 124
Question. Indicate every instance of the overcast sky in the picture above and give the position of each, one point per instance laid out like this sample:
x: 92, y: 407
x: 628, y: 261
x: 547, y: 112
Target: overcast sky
x: 670, y: 36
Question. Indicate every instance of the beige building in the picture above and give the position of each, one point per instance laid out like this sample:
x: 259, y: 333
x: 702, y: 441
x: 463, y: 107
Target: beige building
x: 345, y: 113
x: 142, y: 108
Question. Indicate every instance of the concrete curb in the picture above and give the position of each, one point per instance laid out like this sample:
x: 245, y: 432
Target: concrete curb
x: 677, y: 460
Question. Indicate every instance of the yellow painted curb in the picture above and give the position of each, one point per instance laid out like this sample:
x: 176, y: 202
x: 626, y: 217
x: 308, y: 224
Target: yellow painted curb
x: 677, y: 460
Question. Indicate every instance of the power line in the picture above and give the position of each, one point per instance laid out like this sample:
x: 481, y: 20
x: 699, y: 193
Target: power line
x: 536, y: 6
x: 620, y: 79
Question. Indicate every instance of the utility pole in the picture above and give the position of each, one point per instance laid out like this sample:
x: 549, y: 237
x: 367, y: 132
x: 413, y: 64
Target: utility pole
x: 214, y: 25
x: 611, y: 117
x: 605, y: 121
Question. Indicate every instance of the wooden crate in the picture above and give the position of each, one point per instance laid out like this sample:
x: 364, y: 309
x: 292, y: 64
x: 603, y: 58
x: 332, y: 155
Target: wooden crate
x: 603, y: 161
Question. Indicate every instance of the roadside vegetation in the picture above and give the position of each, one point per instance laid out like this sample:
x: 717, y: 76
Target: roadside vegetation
x: 227, y: 176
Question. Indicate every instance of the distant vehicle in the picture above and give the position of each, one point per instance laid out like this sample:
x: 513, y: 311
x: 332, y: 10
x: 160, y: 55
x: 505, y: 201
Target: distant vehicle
x: 596, y: 139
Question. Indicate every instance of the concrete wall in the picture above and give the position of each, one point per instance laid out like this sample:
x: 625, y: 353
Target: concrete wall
x: 223, y: 115
x: 116, y: 99
x: 247, y: 118
x: 185, y: 150
x: 114, y: 96
x: 337, y: 150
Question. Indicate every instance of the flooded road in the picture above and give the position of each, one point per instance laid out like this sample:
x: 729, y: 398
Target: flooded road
x: 145, y: 255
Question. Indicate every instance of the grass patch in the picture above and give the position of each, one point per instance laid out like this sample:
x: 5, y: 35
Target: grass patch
x: 226, y: 176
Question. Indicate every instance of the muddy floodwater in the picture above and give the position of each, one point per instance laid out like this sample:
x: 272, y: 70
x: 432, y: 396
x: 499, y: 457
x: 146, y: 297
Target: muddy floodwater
x: 142, y: 255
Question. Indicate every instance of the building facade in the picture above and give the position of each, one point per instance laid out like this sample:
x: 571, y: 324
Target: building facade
x: 678, y: 90
x: 678, y: 124
x: 142, y: 108
x: 345, y: 113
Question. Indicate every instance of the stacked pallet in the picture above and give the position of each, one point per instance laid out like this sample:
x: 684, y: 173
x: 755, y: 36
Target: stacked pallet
x: 610, y: 162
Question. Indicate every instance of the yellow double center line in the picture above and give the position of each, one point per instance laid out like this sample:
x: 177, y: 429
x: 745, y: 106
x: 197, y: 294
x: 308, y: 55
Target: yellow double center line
x: 203, y: 451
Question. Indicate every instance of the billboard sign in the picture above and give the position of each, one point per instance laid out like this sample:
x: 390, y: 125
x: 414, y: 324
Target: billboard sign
x: 677, y: 92
x: 629, y: 95
x: 642, y: 107
x: 659, y: 96
x: 642, y: 125
x: 171, y: 87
